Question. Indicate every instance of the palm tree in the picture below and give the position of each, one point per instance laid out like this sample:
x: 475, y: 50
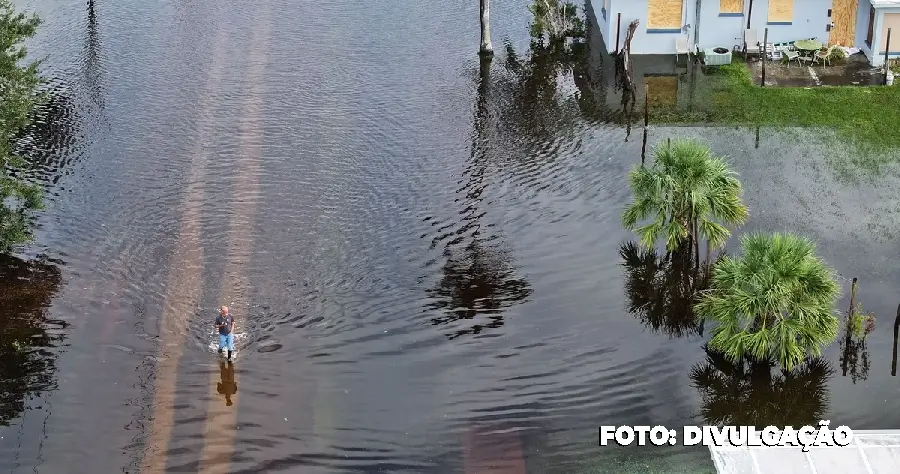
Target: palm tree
x: 775, y: 302
x: 750, y: 394
x: 487, y: 49
x: 687, y: 194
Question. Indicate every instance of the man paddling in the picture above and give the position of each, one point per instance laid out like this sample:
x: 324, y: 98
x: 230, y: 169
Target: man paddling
x: 225, y: 325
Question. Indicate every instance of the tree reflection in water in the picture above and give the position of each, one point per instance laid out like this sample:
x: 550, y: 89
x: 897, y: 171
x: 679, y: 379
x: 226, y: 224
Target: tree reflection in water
x: 479, y: 281
x: 854, y: 359
x: 479, y: 278
x: 27, y: 337
x: 750, y: 394
x: 660, y: 289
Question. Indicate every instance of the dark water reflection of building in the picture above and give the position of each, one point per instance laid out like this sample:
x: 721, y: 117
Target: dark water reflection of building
x: 760, y: 394
x: 27, y: 338
x: 670, y: 83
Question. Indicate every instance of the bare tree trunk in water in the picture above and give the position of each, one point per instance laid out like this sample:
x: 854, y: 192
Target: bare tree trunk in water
x: 487, y: 49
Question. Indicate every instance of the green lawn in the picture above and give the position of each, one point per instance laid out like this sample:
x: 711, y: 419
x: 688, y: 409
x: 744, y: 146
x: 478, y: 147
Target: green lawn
x: 868, y: 118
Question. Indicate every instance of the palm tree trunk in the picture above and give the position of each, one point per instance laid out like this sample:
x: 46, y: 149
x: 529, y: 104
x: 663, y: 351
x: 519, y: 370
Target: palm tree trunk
x: 708, y: 255
x: 696, y: 233
x: 487, y: 49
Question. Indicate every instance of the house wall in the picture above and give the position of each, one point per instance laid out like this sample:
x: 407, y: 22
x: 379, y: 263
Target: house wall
x: 862, y: 27
x: 809, y: 20
x: 885, y: 18
x: 605, y: 21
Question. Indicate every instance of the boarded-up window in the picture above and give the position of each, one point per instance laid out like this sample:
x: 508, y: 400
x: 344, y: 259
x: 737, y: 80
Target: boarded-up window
x: 731, y: 6
x: 781, y: 11
x: 892, y: 21
x: 664, y: 14
x: 662, y: 91
x: 871, y: 26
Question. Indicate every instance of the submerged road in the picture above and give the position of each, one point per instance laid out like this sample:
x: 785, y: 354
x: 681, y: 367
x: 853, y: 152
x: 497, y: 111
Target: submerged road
x: 185, y: 282
x: 221, y: 427
x: 310, y: 164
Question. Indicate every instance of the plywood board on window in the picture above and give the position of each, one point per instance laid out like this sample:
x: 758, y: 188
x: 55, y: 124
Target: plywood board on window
x: 781, y: 10
x: 664, y: 14
x: 731, y: 6
x: 662, y: 91
x: 892, y: 21
x: 843, y: 15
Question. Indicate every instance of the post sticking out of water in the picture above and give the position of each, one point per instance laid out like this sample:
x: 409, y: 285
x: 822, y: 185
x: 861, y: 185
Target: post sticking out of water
x: 887, y: 51
x: 762, y: 53
x: 749, y: 13
x: 757, y: 138
x: 646, y: 120
x: 847, y: 337
x: 618, y: 31
x: 896, y: 329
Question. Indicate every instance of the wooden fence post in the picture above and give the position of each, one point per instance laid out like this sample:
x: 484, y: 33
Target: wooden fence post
x: 887, y: 50
x: 763, y: 57
x: 618, y: 31
x: 646, y: 120
x: 896, y: 329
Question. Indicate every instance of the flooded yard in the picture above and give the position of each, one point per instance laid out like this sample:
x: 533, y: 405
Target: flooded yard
x: 422, y: 255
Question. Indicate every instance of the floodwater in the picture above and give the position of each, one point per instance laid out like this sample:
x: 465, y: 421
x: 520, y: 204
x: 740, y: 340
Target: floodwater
x: 422, y: 256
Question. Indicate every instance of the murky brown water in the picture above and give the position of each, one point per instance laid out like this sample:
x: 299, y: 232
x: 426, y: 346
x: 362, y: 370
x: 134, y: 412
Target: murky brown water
x: 425, y: 270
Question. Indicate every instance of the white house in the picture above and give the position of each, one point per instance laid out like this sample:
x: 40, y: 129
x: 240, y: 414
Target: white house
x: 861, y: 24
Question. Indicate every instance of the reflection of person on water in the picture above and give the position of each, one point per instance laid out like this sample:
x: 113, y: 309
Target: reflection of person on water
x: 227, y: 386
x: 225, y: 325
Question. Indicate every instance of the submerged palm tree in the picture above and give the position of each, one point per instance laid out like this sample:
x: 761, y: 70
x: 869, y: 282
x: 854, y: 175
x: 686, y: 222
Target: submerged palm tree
x: 750, y: 394
x: 775, y: 302
x: 687, y: 194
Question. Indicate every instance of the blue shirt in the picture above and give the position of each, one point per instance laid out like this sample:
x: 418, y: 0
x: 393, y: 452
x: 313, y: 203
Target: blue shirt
x: 227, y: 321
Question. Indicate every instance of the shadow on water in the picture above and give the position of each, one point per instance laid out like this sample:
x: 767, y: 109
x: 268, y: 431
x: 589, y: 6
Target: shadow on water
x: 751, y: 394
x: 660, y: 289
x: 478, y: 278
x: 27, y: 337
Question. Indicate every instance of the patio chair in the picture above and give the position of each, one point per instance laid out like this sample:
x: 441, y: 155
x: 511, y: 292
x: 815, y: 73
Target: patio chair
x: 681, y: 47
x: 824, y: 55
x: 792, y: 55
x: 751, y: 42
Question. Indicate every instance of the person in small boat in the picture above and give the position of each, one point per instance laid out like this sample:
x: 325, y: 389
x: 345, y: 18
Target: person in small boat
x: 225, y: 325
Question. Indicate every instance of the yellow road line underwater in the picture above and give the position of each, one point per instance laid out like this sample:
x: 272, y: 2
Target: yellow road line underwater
x: 220, y: 431
x: 184, y: 281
